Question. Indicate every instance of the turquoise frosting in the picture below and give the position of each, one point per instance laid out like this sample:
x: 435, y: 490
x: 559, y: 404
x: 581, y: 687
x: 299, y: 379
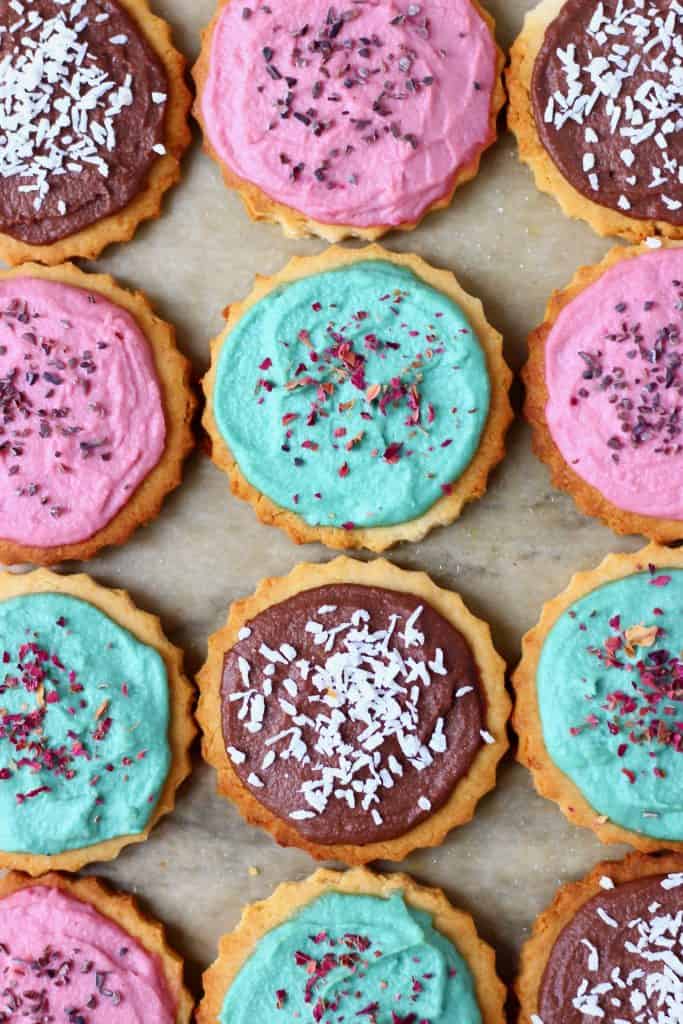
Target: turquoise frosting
x: 610, y: 718
x: 371, y: 954
x: 354, y: 397
x: 84, y: 714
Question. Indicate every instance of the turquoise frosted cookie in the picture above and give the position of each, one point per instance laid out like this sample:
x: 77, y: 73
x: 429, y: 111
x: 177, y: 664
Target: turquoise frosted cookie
x: 350, y: 955
x: 356, y: 398
x: 353, y: 947
x: 608, y: 716
x: 86, y: 744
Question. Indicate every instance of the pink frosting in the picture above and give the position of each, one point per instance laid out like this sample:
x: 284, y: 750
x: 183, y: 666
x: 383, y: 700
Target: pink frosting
x: 58, y: 954
x: 615, y: 384
x: 412, y: 100
x: 82, y: 420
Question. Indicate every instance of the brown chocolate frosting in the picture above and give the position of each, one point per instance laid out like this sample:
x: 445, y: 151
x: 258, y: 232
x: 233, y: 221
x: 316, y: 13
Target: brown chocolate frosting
x: 604, y: 159
x: 51, y: 181
x: 619, y: 930
x: 395, y: 675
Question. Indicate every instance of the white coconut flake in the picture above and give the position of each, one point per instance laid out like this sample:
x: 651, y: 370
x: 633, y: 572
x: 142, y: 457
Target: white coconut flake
x: 604, y: 916
x: 672, y: 881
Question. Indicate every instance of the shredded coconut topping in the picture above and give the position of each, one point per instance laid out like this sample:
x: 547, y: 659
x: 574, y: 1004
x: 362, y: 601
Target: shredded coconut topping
x: 627, y: 40
x: 58, y: 107
x: 652, y: 991
x: 362, y: 693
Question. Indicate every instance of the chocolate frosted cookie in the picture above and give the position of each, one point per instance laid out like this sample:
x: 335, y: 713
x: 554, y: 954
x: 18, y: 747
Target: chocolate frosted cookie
x: 596, y: 105
x: 92, y: 124
x: 389, y: 703
x: 352, y: 701
x: 608, y: 947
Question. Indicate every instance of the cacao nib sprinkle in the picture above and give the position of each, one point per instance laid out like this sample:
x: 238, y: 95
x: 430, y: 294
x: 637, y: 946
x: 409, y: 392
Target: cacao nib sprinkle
x: 328, y: 40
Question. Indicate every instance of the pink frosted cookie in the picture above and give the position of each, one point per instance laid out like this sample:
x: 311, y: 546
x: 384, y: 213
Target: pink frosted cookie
x: 74, y: 951
x: 604, y: 390
x: 94, y: 413
x: 348, y: 121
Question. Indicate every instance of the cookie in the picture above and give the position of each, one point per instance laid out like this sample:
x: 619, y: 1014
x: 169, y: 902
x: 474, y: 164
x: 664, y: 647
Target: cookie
x: 352, y: 122
x: 598, y: 691
x: 93, y: 123
x: 603, y: 382
x: 357, y: 398
x: 607, y: 947
x: 95, y: 722
x: 356, y: 944
x: 595, y: 105
x: 96, y: 413
x: 75, y: 950
x: 354, y: 710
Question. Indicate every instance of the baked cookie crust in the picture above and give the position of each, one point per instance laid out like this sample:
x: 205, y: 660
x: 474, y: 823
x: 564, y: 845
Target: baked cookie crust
x: 588, y: 499
x: 470, y: 485
x: 164, y: 172
x: 296, y: 224
x: 260, y: 918
x: 549, y: 780
x: 173, y: 372
x: 548, y: 178
x: 568, y: 901
x: 123, y: 910
x: 481, y: 777
x: 146, y: 628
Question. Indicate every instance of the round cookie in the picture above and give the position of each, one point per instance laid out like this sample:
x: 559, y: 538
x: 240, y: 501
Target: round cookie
x: 96, y: 413
x: 348, y: 123
x: 357, y: 398
x: 599, y: 699
x: 354, y: 710
x: 95, y: 722
x: 73, y: 949
x: 93, y: 125
x: 607, y: 947
x: 357, y: 944
x: 595, y: 105
x: 603, y: 383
